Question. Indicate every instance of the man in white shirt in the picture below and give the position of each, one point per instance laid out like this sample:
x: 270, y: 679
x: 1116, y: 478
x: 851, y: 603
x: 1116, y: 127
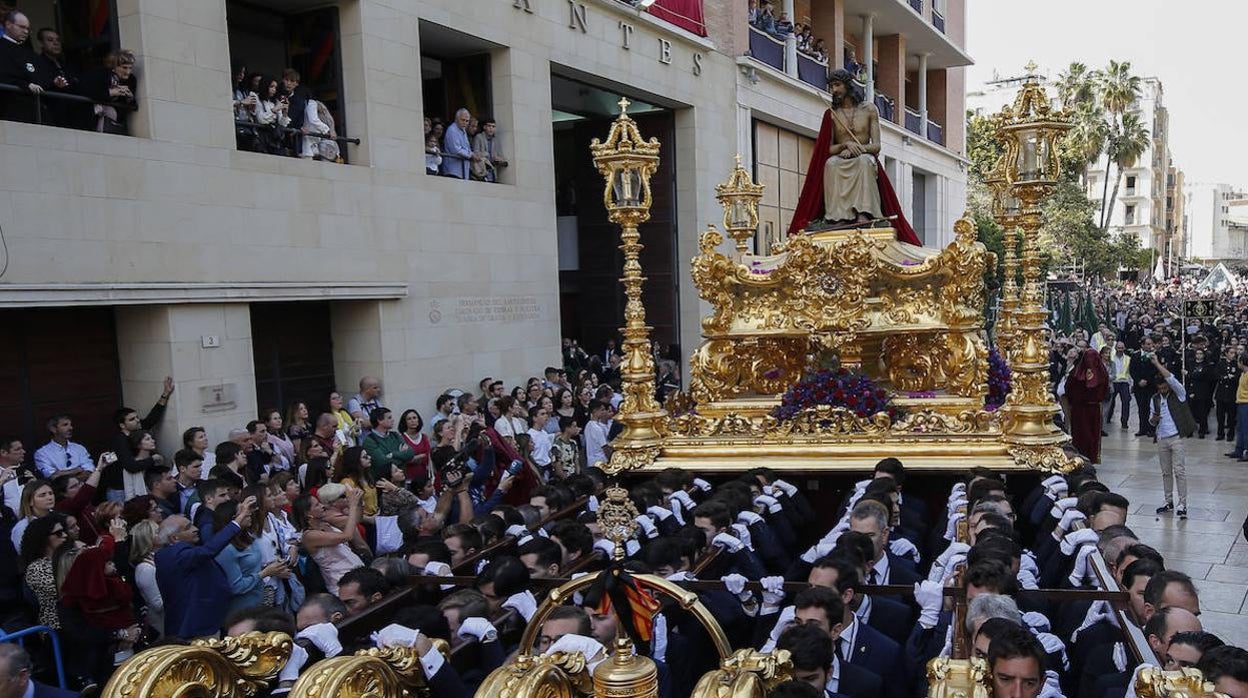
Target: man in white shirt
x: 596, y: 434
x: 542, y: 439
x: 61, y: 454
x: 1172, y: 418
x: 1120, y: 384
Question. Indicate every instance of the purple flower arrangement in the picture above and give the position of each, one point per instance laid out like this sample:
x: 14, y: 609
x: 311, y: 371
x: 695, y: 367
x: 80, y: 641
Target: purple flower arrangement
x: 999, y: 378
x: 837, y: 387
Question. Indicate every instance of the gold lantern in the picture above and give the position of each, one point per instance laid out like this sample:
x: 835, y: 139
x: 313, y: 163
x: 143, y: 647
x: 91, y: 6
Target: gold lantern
x: 627, y: 162
x: 740, y: 196
x: 1030, y: 129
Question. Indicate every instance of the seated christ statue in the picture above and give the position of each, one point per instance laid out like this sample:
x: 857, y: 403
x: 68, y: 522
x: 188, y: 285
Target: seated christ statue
x: 846, y: 186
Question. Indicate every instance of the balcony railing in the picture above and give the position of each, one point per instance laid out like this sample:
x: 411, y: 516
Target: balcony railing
x: 767, y: 49
x: 914, y: 121
x: 935, y: 133
x: 938, y: 21
x: 812, y: 72
x: 886, y: 106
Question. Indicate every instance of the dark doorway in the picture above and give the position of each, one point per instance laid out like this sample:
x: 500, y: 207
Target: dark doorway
x: 56, y: 360
x: 454, y: 72
x: 590, y: 297
x: 294, y: 355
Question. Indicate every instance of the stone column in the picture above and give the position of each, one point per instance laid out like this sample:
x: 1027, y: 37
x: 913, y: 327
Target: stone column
x: 214, y: 385
x: 923, y: 94
x: 790, y: 42
x: 868, y: 53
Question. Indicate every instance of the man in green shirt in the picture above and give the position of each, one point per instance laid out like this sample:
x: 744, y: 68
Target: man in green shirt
x: 385, y: 445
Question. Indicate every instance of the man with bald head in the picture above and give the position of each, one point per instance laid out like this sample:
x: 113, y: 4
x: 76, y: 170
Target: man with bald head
x: 367, y: 400
x: 19, y: 66
x: 456, y: 149
x: 1164, y: 624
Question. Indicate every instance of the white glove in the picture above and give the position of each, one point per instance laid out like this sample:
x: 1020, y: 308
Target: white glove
x: 647, y: 526
x: 606, y: 546
x: 743, y: 533
x: 1028, y: 562
x: 773, y: 505
x: 1052, y: 644
x: 951, y: 568
x: 1082, y: 569
x: 324, y: 636
x: 659, y: 513
x: 1071, y: 541
x: 748, y: 518
x: 1027, y: 580
x: 631, y: 547
x: 681, y: 576
x: 773, y: 590
x: 835, y: 534
x: 517, y: 531
x: 735, y: 584
x: 522, y: 603
x: 701, y: 484
x: 727, y: 542
x: 682, y: 499
x: 954, y: 503
x: 951, y: 529
x: 785, y: 487
x: 861, y: 485
x: 438, y: 569
x: 478, y: 628
x: 817, y: 551
x: 292, y: 667
x: 1052, y: 480
x: 904, y: 548
x: 1069, y: 518
x: 930, y: 597
x: 1037, y: 622
x: 787, y: 616
x: 1057, y: 491
x: 592, y: 503
x: 957, y: 547
x: 592, y: 650
x: 395, y: 635
x: 958, y: 488
x: 1062, y: 505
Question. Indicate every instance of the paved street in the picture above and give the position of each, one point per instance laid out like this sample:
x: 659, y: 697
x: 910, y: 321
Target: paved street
x: 1209, y: 545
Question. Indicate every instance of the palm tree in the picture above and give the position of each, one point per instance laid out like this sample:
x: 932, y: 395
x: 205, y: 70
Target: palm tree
x: 1087, y: 139
x: 1125, y: 148
x: 1076, y: 85
x: 1117, y: 90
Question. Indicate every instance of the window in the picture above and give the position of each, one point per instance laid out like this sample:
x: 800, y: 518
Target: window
x: 455, y: 74
x: 287, y: 78
x: 1129, y: 214
x: 1130, y: 185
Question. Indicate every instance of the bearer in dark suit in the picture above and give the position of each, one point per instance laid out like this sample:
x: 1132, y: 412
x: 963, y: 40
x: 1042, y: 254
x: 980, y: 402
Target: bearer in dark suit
x: 816, y: 663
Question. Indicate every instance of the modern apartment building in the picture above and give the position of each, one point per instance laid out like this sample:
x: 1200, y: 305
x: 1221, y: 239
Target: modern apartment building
x: 1217, y: 222
x: 258, y: 280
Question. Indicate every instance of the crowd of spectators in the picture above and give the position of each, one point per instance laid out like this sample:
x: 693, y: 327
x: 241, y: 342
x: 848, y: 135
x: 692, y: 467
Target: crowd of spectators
x: 466, y: 148
x: 764, y: 18
x: 279, y: 116
x: 305, y: 520
x: 33, y: 82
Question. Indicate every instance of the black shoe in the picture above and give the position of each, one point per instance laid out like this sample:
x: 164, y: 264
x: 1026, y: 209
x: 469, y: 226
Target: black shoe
x: 1220, y: 438
x: 1202, y: 436
x: 1232, y: 454
x: 1182, y: 513
x: 1167, y: 508
x: 1124, y: 426
x: 1104, y: 433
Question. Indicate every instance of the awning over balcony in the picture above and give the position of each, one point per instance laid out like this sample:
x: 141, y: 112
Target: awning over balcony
x: 686, y: 14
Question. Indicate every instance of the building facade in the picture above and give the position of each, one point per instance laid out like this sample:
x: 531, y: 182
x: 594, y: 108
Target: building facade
x: 257, y: 280
x: 1217, y: 216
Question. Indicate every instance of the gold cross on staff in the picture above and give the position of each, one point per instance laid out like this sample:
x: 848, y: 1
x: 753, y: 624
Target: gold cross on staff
x: 1030, y: 68
x: 624, y: 105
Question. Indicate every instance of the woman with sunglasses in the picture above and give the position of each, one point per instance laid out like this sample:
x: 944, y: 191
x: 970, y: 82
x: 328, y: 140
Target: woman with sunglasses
x: 40, y: 540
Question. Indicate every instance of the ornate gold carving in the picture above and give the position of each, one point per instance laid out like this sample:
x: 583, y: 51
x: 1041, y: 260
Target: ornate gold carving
x: 915, y: 362
x: 238, y: 667
x: 1046, y: 458
x: 746, y: 674
x: 721, y: 369
x: 1152, y: 682
x: 618, y: 519
x: 957, y: 678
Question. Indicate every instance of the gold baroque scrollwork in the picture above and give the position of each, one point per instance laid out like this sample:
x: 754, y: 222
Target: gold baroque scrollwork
x: 932, y: 422
x: 726, y: 368
x: 968, y: 365
x: 915, y: 362
x: 957, y: 678
x: 1152, y: 682
x: 907, y: 305
x: 1048, y: 458
x: 235, y: 667
x: 746, y: 674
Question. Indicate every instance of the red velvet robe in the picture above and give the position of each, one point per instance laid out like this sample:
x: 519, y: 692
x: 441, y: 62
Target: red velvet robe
x: 1085, y: 398
x: 810, y: 203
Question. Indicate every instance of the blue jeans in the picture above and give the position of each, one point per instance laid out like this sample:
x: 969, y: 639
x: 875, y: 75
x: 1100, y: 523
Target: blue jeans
x: 1241, y: 429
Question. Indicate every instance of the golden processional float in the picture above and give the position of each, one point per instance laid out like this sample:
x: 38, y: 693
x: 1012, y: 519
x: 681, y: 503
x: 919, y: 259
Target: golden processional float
x: 911, y: 317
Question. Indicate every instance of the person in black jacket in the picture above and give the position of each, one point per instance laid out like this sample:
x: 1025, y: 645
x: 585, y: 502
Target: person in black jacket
x: 115, y: 85
x: 19, y: 66
x: 128, y: 422
x: 1202, y: 379
x: 1144, y: 376
x: 1224, y: 393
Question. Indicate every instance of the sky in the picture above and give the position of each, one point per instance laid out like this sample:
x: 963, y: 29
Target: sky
x: 1196, y: 48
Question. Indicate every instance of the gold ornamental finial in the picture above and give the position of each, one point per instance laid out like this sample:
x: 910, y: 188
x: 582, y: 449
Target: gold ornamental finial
x: 624, y: 105
x: 618, y: 519
x: 1031, y: 68
x: 740, y: 197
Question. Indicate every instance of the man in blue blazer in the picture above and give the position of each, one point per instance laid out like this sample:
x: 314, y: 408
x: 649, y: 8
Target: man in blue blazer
x: 191, y: 582
x: 856, y: 643
x: 15, y: 681
x: 815, y: 663
x: 871, y: 518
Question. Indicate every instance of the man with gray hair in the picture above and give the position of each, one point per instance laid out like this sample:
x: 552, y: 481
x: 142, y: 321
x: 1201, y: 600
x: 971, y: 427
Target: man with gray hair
x: 456, y: 149
x: 15, y: 680
x: 985, y: 606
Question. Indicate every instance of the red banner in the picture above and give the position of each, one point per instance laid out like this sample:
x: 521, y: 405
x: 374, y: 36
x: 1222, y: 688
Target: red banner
x: 686, y: 14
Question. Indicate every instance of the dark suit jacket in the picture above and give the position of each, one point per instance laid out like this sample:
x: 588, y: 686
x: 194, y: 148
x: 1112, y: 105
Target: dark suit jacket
x: 857, y: 682
x: 876, y: 653
x: 44, y: 691
x: 193, y: 586
x: 891, y: 617
x: 901, y: 570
